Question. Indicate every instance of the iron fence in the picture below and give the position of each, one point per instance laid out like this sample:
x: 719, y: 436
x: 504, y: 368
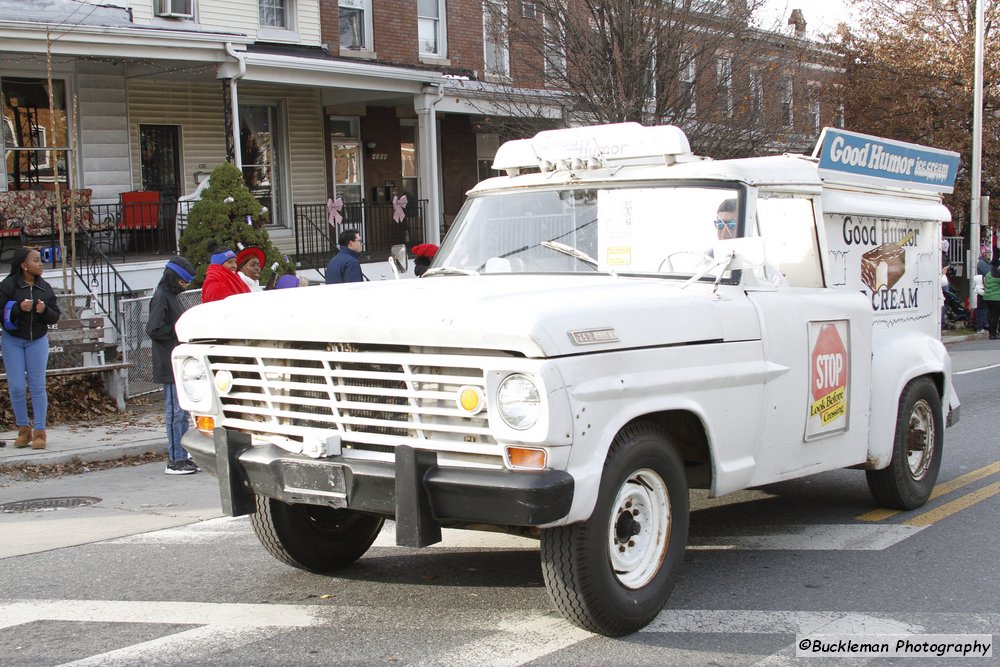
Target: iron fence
x: 136, y: 346
x: 316, y: 238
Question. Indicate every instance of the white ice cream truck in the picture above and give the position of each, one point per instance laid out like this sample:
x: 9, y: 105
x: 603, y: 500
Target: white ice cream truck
x: 614, y: 322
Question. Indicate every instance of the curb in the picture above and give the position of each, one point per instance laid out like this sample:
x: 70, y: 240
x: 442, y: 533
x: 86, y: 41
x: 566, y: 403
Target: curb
x: 951, y: 340
x: 106, y: 453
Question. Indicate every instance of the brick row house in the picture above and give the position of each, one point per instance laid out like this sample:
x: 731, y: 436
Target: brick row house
x: 361, y: 100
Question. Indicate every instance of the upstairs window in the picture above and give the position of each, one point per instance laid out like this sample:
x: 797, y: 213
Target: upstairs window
x: 555, y: 49
x: 496, y: 55
x: 724, y: 80
x: 687, y: 85
x: 814, y: 116
x: 756, y: 96
x: 355, y: 25
x: 175, y: 9
x: 787, y: 113
x: 275, y: 14
x: 430, y: 27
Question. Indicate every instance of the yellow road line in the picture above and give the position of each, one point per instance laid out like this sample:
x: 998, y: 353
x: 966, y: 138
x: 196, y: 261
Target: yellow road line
x: 946, y: 510
x: 939, y: 490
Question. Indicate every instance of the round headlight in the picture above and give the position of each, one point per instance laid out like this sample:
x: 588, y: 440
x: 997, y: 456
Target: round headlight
x: 518, y: 402
x: 194, y: 380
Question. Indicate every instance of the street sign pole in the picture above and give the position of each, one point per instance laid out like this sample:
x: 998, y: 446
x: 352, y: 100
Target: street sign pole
x: 977, y: 154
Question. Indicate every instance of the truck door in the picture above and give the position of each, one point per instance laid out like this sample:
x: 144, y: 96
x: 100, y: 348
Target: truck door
x: 818, y: 340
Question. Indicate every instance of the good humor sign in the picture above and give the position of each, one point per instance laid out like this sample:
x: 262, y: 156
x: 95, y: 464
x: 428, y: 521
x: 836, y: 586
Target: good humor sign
x: 860, y: 158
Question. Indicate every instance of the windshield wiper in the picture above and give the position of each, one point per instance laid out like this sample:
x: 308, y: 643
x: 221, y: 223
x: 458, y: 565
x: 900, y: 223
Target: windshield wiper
x: 449, y: 270
x: 571, y: 251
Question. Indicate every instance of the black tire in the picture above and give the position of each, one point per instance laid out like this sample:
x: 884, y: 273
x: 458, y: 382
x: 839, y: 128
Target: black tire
x: 586, y: 565
x: 907, y: 482
x: 311, y: 537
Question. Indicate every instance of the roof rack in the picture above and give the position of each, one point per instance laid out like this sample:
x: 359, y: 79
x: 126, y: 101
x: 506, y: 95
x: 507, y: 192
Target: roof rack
x: 594, y: 147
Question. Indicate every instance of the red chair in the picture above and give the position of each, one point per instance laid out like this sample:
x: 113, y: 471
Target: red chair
x: 140, y: 220
x: 140, y: 210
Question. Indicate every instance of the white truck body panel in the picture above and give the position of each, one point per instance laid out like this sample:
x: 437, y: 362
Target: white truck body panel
x: 785, y: 380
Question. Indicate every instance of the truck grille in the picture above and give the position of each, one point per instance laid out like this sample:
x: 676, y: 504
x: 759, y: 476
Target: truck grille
x: 374, y: 399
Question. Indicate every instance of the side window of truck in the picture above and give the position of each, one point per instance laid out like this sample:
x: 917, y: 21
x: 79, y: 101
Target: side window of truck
x: 787, y: 224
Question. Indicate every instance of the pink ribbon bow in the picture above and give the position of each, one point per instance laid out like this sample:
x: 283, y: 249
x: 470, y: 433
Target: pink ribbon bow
x: 398, y: 204
x: 333, y: 208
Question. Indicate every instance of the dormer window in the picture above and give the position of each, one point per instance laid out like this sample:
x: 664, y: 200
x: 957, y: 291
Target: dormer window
x: 175, y: 9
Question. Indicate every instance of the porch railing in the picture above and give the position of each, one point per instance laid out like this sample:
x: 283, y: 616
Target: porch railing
x: 316, y: 238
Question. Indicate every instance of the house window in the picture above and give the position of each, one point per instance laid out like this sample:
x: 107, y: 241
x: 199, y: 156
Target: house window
x: 814, y: 117
x: 275, y: 14
x: 724, y: 80
x: 838, y: 115
x: 787, y: 117
x: 527, y: 9
x: 496, y: 57
x: 430, y: 27
x: 409, y: 160
x: 179, y: 9
x: 687, y: 83
x: 262, y: 149
x: 555, y: 49
x: 26, y: 140
x: 756, y: 96
x: 355, y: 25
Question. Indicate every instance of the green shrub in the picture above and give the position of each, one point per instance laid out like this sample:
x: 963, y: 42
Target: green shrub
x: 222, y: 214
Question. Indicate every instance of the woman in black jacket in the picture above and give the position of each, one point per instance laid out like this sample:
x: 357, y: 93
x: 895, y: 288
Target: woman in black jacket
x: 29, y: 307
x: 164, y: 310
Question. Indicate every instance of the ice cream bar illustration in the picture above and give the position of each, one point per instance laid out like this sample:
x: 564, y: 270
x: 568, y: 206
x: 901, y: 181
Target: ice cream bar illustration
x: 885, y: 265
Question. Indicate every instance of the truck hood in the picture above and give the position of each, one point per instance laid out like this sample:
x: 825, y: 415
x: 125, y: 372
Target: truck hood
x: 531, y: 315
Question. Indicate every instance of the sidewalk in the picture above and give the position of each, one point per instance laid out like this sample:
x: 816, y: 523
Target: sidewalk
x: 88, y: 442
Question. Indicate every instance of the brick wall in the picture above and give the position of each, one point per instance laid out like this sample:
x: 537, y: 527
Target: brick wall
x: 458, y: 151
x: 381, y: 127
x: 395, y: 26
x: 329, y: 24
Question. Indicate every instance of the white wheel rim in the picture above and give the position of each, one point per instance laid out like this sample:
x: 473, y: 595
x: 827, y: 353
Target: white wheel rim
x: 639, y: 529
x: 920, y: 440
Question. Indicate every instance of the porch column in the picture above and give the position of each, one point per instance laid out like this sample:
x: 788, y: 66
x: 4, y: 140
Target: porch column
x: 427, y: 160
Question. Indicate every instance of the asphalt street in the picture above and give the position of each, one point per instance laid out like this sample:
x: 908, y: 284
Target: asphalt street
x: 153, y: 574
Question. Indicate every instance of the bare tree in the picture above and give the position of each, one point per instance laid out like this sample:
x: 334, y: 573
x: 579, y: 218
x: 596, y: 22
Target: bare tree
x: 700, y: 64
x: 910, y: 77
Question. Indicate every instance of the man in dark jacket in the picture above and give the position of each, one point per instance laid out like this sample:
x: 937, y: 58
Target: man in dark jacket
x: 164, y: 310
x: 345, y: 266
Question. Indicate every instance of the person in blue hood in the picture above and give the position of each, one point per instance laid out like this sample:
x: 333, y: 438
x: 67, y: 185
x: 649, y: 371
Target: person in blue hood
x: 164, y: 310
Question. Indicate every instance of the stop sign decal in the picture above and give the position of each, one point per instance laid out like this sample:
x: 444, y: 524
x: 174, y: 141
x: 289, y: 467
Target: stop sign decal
x: 828, y: 363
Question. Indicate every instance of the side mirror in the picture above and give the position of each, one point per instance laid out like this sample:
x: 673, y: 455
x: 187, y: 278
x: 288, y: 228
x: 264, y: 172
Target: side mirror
x: 398, y: 259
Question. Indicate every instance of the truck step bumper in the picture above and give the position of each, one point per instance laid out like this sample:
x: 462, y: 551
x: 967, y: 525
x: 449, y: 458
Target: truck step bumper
x: 414, y: 490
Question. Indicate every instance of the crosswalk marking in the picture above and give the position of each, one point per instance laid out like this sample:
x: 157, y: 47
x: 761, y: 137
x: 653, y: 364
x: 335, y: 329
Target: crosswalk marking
x: 507, y: 639
x: 811, y: 537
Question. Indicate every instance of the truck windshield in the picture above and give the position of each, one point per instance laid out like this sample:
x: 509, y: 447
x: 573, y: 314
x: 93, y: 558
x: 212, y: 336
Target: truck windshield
x: 662, y: 229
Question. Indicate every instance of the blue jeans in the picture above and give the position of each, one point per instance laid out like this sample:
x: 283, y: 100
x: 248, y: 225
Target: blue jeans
x: 25, y: 361
x: 177, y: 424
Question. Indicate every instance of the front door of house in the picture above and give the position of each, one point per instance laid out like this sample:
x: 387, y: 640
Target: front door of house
x: 160, y: 169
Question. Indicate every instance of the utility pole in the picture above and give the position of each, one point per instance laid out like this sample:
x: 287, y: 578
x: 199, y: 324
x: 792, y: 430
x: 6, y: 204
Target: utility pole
x: 975, y: 206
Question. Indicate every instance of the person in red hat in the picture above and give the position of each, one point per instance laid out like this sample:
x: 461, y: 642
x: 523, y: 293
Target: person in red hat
x: 424, y: 254
x: 249, y: 262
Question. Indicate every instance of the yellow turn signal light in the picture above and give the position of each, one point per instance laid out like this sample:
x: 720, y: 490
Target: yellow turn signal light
x: 205, y: 424
x: 526, y: 457
x: 470, y: 399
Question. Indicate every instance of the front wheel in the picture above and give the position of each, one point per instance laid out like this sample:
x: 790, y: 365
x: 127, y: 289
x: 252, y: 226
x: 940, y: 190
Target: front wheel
x: 613, y: 573
x: 311, y: 537
x: 907, y: 482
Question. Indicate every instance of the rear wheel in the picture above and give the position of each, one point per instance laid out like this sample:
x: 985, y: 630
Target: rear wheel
x: 312, y: 537
x: 916, y: 452
x: 613, y: 573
